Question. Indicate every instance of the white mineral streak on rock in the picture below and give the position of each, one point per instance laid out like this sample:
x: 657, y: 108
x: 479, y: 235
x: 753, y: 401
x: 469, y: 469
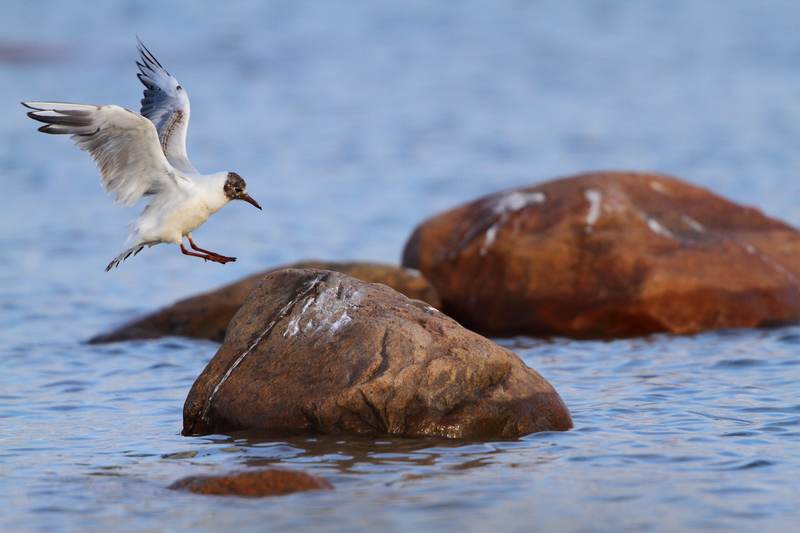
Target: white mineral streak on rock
x: 516, y: 200
x: 509, y: 203
x: 656, y: 227
x: 752, y: 250
x: 658, y: 187
x: 293, y: 327
x: 488, y: 240
x: 341, y: 321
x: 692, y: 223
x: 595, y: 199
x: 326, y: 311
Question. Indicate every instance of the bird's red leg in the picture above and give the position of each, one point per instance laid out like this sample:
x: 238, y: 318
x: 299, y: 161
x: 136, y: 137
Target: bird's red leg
x: 215, y: 258
x: 224, y: 258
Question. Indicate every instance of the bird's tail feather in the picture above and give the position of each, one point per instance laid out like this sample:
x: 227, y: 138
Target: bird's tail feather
x: 63, y: 118
x: 126, y: 254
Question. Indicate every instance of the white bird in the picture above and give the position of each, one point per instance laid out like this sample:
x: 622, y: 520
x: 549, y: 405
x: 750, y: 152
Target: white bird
x: 145, y: 155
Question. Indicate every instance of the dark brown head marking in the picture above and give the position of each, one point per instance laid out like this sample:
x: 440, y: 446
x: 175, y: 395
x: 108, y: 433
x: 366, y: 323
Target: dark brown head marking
x: 234, y: 185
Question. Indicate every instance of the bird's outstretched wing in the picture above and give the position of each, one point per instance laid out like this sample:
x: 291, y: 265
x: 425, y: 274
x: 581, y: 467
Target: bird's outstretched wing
x: 123, y: 144
x: 166, y: 104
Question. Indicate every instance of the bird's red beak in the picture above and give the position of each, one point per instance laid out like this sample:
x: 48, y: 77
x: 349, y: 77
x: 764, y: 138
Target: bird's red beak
x: 249, y: 199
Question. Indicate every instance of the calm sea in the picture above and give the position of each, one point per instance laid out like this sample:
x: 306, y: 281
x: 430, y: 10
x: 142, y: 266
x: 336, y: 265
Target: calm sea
x: 353, y: 121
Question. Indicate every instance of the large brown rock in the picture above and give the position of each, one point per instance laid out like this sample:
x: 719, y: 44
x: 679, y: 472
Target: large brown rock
x: 206, y: 316
x: 271, y: 482
x: 609, y: 254
x: 320, y: 351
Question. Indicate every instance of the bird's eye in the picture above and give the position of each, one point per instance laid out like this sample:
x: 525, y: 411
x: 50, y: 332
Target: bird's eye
x: 179, y: 88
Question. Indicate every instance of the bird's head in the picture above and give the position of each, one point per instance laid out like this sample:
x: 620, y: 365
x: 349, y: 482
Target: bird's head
x: 236, y: 189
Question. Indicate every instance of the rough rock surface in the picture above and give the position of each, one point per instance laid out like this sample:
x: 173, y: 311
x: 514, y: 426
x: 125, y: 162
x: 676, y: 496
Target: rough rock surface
x: 206, y: 316
x: 609, y: 254
x: 271, y: 482
x: 320, y: 351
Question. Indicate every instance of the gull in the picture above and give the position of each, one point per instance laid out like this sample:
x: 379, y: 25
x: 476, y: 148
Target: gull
x: 145, y: 155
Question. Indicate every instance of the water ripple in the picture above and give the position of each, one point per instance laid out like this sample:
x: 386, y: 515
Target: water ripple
x: 361, y: 120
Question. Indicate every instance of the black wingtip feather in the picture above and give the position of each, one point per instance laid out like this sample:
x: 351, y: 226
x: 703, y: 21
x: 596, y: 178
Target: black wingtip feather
x: 77, y: 120
x: 144, y: 79
x: 147, y: 55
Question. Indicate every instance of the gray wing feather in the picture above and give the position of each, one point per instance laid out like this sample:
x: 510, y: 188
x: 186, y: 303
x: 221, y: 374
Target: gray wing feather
x: 123, y: 144
x: 166, y: 104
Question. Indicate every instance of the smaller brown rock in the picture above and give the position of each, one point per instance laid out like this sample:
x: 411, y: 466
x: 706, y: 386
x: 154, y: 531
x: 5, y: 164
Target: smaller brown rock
x: 272, y: 482
x: 206, y: 316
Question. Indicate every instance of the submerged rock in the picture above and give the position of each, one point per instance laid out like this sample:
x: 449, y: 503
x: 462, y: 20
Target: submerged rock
x: 206, y: 316
x: 272, y: 482
x: 609, y: 254
x: 320, y: 351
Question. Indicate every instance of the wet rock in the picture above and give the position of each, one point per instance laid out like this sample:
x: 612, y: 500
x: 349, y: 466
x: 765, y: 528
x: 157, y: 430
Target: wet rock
x: 320, y: 351
x: 206, y: 316
x: 609, y: 254
x: 272, y: 482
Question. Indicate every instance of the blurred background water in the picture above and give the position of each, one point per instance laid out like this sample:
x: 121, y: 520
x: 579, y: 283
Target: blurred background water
x: 353, y: 121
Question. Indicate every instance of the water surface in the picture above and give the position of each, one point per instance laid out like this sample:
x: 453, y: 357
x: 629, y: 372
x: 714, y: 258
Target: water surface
x: 352, y: 122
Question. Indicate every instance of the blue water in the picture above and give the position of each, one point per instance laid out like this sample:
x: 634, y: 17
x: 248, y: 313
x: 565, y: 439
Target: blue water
x: 353, y: 121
